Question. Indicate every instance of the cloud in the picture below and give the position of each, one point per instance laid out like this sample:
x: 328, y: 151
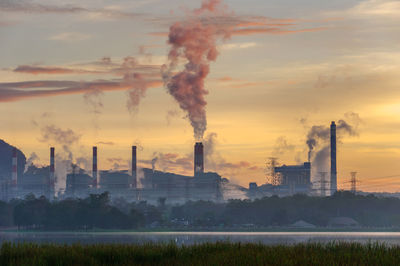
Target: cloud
x: 236, y: 46
x: 368, y: 9
x: 105, y: 143
x: 70, y: 37
x: 225, y: 79
x: 27, y: 6
x: 232, y: 24
x: 239, y: 83
x: 277, y: 31
x: 133, y: 77
x: 376, y: 8
x: 257, y: 30
x: 30, y: 7
x: 10, y: 92
x: 36, y: 70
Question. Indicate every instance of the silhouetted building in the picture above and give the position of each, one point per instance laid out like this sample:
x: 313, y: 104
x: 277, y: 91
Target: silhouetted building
x: 294, y: 178
x: 180, y: 188
x: 78, y: 183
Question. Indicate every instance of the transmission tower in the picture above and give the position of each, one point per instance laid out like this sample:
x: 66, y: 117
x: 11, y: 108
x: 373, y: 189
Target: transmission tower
x: 353, y: 182
x: 323, y: 183
x: 272, y: 177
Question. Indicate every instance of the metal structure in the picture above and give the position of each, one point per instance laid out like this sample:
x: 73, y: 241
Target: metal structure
x: 353, y: 182
x: 14, y: 177
x: 333, y: 159
x: 198, y: 159
x: 134, y: 168
x: 272, y: 177
x: 94, y: 169
x: 323, y: 183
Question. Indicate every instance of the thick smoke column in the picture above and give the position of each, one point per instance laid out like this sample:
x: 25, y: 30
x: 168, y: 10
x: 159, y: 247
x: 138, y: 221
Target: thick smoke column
x: 195, y: 41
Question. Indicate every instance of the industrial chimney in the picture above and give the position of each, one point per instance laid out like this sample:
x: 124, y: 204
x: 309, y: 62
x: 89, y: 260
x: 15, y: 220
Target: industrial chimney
x: 134, y: 161
x: 14, y: 177
x: 333, y: 159
x: 198, y: 159
x: 94, y: 169
x: 52, y: 168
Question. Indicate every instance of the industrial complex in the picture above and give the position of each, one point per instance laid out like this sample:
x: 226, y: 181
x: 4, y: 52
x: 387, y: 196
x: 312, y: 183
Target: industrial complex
x: 152, y: 184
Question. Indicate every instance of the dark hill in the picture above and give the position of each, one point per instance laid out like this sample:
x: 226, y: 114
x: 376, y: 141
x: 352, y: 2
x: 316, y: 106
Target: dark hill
x: 6, y: 160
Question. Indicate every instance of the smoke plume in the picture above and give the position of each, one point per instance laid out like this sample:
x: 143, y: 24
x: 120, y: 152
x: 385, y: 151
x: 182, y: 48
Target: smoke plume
x: 134, y: 80
x: 195, y: 42
x: 67, y: 137
x: 282, y: 146
x: 318, y: 139
x: 33, y: 157
x: 94, y: 100
x: 153, y: 163
x: 319, y: 134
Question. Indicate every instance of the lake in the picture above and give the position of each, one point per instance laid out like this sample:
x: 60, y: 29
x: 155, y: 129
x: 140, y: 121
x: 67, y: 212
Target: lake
x: 190, y: 238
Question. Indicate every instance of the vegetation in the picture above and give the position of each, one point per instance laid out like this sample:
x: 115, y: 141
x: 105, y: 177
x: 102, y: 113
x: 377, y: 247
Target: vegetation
x: 99, y: 212
x: 203, y: 254
x: 72, y: 214
x: 368, y: 211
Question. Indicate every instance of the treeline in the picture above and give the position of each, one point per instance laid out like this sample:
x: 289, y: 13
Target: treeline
x: 95, y: 211
x: 368, y: 211
x: 98, y: 212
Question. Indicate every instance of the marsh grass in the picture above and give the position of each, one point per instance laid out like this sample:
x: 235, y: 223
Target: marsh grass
x: 221, y: 253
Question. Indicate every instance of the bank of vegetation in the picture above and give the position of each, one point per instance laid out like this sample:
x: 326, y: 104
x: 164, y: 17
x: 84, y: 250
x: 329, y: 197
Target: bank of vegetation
x: 202, y: 254
x: 99, y: 212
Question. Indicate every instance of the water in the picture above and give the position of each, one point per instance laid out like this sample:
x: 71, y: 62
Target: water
x: 190, y: 238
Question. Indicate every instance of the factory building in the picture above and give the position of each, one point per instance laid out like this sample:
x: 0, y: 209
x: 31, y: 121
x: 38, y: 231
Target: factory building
x: 36, y: 181
x: 154, y: 184
x: 78, y: 183
x: 179, y: 188
x: 295, y: 179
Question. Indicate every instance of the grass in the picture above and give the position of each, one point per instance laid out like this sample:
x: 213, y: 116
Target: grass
x: 202, y: 254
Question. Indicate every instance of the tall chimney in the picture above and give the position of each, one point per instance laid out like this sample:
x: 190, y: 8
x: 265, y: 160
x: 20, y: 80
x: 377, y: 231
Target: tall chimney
x: 52, y: 168
x: 134, y: 162
x: 94, y: 169
x: 14, y: 176
x: 198, y: 159
x: 333, y: 159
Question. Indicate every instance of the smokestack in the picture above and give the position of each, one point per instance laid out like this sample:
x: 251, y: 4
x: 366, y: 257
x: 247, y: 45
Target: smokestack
x: 52, y: 167
x: 198, y: 159
x: 94, y: 169
x: 134, y: 180
x: 14, y: 177
x: 333, y: 159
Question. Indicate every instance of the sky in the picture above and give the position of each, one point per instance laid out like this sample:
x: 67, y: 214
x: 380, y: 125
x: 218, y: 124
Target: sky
x: 74, y: 74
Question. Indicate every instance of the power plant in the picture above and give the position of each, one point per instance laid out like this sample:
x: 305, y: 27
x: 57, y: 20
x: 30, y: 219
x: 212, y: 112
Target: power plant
x: 152, y: 184
x: 296, y: 179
